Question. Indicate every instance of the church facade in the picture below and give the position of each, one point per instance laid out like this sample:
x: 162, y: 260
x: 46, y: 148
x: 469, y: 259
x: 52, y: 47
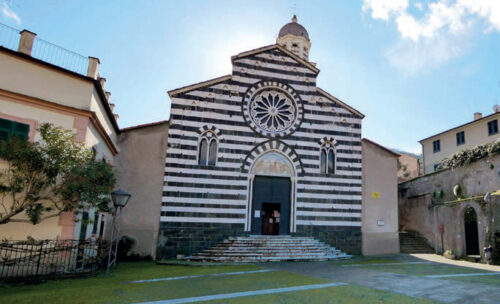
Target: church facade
x: 262, y: 151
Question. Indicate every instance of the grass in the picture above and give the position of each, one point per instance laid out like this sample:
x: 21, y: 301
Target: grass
x: 114, y: 289
x: 341, y: 294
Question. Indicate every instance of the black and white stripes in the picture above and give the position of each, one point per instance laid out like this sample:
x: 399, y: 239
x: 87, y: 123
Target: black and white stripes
x: 220, y: 193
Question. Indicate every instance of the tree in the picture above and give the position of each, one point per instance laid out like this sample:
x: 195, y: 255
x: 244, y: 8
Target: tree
x: 44, y: 179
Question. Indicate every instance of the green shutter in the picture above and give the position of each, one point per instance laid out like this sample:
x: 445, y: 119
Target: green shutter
x: 11, y: 128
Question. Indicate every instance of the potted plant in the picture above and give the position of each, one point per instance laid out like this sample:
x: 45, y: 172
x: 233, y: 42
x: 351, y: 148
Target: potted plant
x: 449, y: 254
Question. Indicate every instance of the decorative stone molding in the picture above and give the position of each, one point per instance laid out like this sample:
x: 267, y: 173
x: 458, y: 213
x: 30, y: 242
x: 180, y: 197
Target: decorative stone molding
x: 272, y: 109
x: 269, y: 146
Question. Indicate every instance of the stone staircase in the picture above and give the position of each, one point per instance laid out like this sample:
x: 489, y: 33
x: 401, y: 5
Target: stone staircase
x: 411, y: 242
x: 261, y: 248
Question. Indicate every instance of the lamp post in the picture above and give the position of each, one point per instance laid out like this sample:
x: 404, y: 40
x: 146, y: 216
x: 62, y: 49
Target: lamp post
x: 120, y: 199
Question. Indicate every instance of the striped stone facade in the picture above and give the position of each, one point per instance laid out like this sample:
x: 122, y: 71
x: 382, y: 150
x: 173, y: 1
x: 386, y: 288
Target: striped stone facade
x: 203, y: 204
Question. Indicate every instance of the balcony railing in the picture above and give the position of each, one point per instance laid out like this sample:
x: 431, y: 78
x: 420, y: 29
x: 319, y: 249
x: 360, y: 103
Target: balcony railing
x: 45, y: 51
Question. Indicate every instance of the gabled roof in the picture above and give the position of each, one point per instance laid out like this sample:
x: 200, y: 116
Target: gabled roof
x: 381, y: 147
x: 341, y: 103
x: 205, y: 83
x: 305, y: 63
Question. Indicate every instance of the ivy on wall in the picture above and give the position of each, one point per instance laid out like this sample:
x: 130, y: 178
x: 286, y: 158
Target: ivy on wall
x: 468, y: 156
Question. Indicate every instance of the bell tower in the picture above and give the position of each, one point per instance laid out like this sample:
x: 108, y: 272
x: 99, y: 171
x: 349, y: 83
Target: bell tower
x: 295, y: 38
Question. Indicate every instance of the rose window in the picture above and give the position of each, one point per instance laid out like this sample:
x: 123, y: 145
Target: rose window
x: 272, y: 111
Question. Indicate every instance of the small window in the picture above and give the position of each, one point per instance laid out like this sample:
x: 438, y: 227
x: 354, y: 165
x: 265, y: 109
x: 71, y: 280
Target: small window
x: 10, y: 128
x: 460, y: 138
x: 207, y: 154
x: 493, y: 127
x: 323, y: 161
x: 331, y: 162
x: 327, y: 159
x: 212, y: 153
x: 436, y: 146
x: 96, y: 222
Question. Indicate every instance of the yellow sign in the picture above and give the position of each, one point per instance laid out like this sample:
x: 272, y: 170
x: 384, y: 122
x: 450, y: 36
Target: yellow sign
x: 375, y: 194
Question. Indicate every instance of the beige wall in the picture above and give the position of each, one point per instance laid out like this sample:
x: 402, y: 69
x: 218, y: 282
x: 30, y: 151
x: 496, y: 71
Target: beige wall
x: 27, y: 78
x: 380, y: 201
x: 412, y: 165
x: 140, y: 170
x: 476, y: 134
x: 33, y: 93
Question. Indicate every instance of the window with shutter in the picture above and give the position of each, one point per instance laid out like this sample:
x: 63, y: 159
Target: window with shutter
x: 9, y: 128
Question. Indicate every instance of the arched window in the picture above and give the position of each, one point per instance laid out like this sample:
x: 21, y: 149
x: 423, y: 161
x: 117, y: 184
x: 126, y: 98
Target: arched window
x: 212, y: 153
x: 323, y: 161
x: 207, y: 154
x: 327, y: 158
x: 331, y: 161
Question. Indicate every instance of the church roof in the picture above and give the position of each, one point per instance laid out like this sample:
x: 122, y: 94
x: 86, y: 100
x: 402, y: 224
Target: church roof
x: 341, y: 103
x: 293, y: 28
x: 306, y: 63
x: 199, y: 85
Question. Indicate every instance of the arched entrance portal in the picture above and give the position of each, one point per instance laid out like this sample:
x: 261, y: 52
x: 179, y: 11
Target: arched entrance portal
x: 471, y: 232
x: 272, y: 188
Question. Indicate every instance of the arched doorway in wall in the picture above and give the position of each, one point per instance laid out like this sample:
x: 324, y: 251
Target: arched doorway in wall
x: 471, y: 232
x: 272, y: 187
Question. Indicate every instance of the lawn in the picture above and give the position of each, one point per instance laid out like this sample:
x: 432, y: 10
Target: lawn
x: 333, y: 295
x: 116, y: 287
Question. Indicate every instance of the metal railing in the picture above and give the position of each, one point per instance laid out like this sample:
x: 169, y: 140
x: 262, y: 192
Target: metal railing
x: 24, y: 261
x: 9, y: 37
x: 45, y: 51
x: 59, y: 56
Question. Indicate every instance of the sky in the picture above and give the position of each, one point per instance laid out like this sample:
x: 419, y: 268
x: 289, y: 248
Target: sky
x: 414, y: 68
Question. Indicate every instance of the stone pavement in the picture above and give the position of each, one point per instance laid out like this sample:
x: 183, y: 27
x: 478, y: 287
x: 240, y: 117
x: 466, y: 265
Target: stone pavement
x: 440, y: 290
x: 440, y: 259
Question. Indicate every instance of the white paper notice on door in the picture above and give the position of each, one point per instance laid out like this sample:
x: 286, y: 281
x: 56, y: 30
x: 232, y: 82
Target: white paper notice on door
x: 256, y: 213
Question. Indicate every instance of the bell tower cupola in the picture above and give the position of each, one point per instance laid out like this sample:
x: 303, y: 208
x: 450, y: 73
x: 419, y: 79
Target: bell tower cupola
x: 295, y: 38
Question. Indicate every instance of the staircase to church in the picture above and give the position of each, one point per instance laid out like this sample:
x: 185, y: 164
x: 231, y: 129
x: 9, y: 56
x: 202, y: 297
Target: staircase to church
x: 411, y: 242
x: 269, y: 249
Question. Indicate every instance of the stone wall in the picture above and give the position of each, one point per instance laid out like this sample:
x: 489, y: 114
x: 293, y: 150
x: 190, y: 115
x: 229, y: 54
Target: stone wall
x: 189, y: 238
x: 347, y: 239
x: 417, y: 196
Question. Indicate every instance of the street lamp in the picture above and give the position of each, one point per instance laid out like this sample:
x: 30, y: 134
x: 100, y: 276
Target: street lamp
x: 120, y: 199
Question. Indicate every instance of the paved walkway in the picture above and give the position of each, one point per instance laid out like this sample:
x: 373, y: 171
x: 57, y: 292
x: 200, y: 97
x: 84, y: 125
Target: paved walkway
x: 440, y: 290
x: 440, y: 259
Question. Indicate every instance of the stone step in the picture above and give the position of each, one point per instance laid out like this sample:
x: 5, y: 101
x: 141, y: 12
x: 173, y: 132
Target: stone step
x: 268, y: 259
x: 269, y: 248
x: 268, y: 252
x: 413, y: 243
